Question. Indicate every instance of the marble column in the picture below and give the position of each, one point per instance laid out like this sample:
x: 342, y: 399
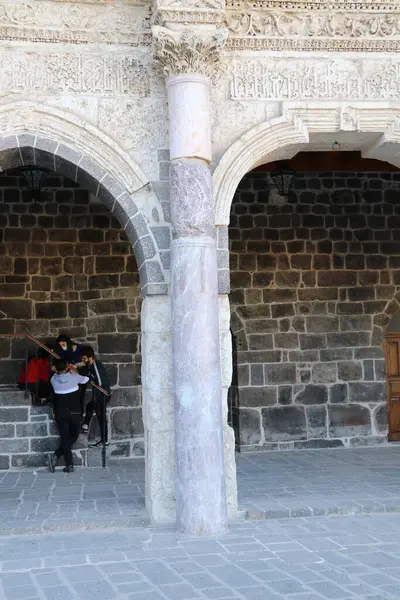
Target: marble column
x: 199, y: 460
x: 158, y: 409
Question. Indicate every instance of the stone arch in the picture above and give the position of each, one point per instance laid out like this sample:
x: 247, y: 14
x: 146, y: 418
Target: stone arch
x: 375, y: 131
x: 33, y: 134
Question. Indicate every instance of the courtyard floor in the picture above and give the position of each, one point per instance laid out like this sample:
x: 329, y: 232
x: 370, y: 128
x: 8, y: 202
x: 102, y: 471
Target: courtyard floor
x: 270, y: 486
x: 311, y: 558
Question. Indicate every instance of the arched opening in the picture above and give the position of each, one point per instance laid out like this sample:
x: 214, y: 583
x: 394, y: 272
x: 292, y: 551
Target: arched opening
x: 89, y: 165
x: 67, y: 267
x: 314, y: 279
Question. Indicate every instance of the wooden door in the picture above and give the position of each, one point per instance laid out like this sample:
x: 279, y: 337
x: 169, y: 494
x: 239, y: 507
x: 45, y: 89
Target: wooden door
x: 392, y: 356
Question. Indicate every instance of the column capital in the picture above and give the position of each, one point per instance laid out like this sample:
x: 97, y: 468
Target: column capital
x: 187, y: 50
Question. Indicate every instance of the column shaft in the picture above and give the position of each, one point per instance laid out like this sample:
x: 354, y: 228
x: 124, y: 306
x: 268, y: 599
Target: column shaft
x: 200, y: 482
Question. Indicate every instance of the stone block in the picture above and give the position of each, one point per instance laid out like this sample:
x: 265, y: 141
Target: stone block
x: 32, y: 430
x: 279, y: 295
x: 349, y: 308
x: 260, y: 341
x: 14, y: 446
x: 5, y: 348
x: 329, y: 354
x: 380, y: 370
x: 127, y: 324
x: 101, y: 282
x: 279, y: 373
x: 4, y: 462
x: 312, y: 394
x: 108, y: 306
x: 138, y: 448
x: 286, y: 423
x: 126, y: 423
x: 249, y: 426
x: 337, y: 278
x: 266, y: 356
x: 380, y: 419
x: 13, y: 415
x: 29, y: 460
x: 355, y: 323
x: 129, y: 375
x: 367, y: 392
x: 282, y: 310
x: 338, y: 393
x: 286, y: 340
x: 349, y: 371
x: 257, y: 396
x: 7, y: 430
x: 317, y: 421
x: 312, y: 341
x: 104, y: 324
x: 110, y: 264
x: 9, y: 371
x: 16, y: 309
x: 256, y: 375
x: 347, y: 420
x: 317, y: 444
x: 73, y: 265
x: 262, y: 326
x: 118, y: 343
x: 322, y: 324
x: 349, y: 339
x: 324, y: 372
x: 47, y: 444
x: 121, y: 449
x: 50, y: 310
x: 77, y: 310
x: 303, y: 356
x: 322, y: 294
x: 285, y: 394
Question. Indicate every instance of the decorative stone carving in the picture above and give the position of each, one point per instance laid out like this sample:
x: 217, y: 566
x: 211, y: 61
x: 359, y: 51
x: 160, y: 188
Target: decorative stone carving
x: 106, y: 74
x: 191, y: 4
x: 317, y: 25
x: 188, y: 51
x: 317, y: 5
x: 74, y: 23
x: 280, y: 79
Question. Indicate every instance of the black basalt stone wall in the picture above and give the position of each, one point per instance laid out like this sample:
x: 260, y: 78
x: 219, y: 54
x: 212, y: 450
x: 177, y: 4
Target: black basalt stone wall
x: 314, y: 283
x: 66, y: 266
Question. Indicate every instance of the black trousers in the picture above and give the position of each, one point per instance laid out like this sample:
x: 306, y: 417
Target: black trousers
x: 68, y: 427
x: 98, y: 406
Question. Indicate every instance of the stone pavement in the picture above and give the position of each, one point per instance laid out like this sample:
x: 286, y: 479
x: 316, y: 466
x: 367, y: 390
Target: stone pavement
x: 271, y: 485
x: 318, y: 482
x: 313, y: 558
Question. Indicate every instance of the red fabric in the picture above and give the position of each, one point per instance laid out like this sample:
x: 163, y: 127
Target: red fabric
x: 38, y: 370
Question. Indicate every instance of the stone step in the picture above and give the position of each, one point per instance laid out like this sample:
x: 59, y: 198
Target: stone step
x: 12, y: 396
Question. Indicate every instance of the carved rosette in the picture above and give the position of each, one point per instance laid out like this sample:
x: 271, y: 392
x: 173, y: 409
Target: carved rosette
x: 187, y: 51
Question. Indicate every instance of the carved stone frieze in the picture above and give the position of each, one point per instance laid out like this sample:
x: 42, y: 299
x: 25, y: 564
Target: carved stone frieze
x: 313, y: 30
x: 184, y: 51
x: 314, y: 5
x: 73, y: 73
x: 191, y: 4
x: 309, y: 79
x: 74, y: 23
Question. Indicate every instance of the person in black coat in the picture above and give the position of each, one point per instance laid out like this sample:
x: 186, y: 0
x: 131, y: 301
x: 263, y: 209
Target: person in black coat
x: 98, y: 375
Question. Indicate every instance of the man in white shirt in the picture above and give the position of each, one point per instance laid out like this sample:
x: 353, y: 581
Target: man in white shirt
x: 67, y: 411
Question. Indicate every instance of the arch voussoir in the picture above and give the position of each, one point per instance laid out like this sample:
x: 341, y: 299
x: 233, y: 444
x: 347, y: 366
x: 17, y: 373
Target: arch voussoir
x: 58, y: 154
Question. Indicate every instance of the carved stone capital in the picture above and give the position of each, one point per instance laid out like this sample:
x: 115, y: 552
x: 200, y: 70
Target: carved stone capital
x: 183, y: 51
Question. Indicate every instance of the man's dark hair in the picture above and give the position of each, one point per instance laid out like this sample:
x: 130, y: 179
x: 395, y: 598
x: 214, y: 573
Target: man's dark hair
x: 88, y: 351
x: 60, y: 365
